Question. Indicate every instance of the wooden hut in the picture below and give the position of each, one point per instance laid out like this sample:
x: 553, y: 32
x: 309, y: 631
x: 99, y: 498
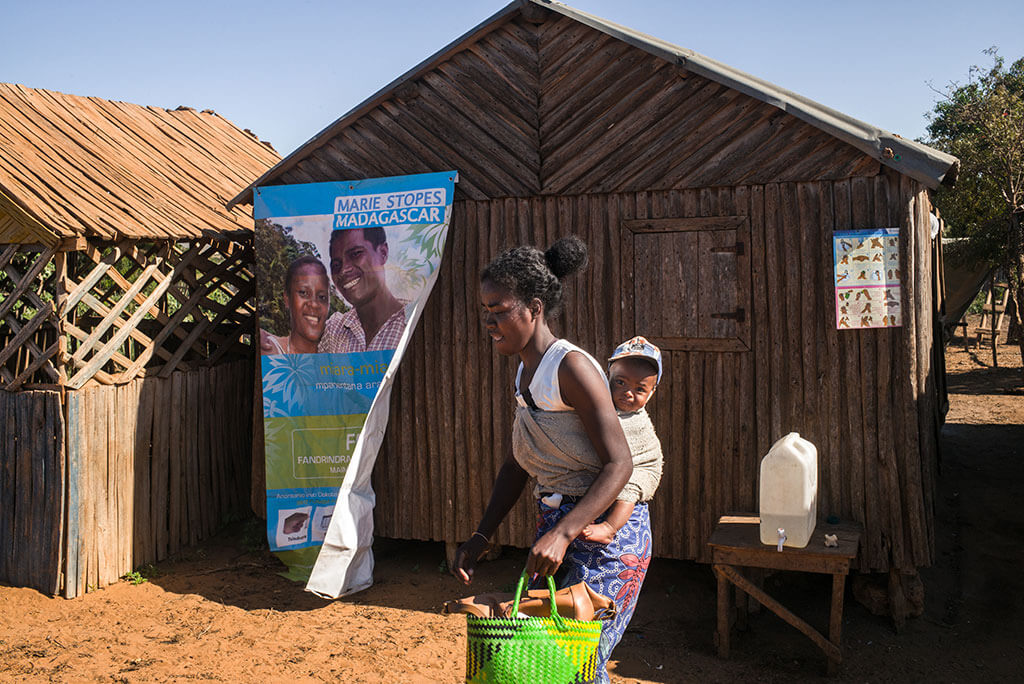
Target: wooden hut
x: 708, y: 198
x: 126, y: 311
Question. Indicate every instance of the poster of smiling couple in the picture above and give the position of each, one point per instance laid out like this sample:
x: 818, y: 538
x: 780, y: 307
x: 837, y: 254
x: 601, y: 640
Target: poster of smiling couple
x: 343, y: 273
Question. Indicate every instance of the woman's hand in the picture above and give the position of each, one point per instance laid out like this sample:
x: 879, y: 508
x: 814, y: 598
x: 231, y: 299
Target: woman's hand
x: 507, y: 488
x: 466, y: 557
x: 547, y: 553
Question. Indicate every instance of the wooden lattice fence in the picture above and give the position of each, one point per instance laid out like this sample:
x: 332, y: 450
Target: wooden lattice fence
x: 114, y: 312
x: 29, y: 323
x: 126, y: 322
x: 125, y: 414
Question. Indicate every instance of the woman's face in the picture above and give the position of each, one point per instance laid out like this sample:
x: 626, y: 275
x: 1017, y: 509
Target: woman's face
x: 308, y: 301
x: 507, y: 320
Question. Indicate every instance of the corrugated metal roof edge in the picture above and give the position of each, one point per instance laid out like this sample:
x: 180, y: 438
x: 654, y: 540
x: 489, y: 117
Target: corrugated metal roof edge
x: 925, y: 164
x: 920, y: 162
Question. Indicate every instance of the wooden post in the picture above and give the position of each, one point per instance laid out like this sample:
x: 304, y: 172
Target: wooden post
x: 722, y: 635
x: 835, y: 627
x: 61, y: 267
x: 992, y: 317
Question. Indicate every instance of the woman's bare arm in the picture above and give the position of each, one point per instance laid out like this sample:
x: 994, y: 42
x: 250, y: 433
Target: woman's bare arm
x: 508, y: 486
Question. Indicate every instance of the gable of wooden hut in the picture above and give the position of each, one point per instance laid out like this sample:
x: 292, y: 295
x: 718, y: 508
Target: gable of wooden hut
x: 708, y: 198
x: 126, y: 311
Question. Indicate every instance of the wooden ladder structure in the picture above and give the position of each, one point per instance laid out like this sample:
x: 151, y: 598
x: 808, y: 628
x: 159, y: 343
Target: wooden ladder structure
x: 993, y: 314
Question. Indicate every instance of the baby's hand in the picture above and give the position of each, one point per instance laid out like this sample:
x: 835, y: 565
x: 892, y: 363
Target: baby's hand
x: 600, y: 533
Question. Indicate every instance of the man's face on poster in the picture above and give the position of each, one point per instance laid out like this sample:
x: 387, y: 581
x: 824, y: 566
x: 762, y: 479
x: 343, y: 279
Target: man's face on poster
x: 357, y: 267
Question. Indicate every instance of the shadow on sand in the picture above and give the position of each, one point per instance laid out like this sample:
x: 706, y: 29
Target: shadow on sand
x: 987, y: 380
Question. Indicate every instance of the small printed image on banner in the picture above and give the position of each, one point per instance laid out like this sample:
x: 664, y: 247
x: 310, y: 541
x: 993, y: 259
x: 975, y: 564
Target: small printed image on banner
x: 867, y: 278
x: 343, y: 272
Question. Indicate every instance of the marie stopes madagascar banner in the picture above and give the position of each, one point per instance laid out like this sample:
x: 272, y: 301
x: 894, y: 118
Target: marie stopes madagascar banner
x: 343, y: 273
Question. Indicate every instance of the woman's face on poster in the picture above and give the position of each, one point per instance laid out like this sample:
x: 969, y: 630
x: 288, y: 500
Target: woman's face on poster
x: 308, y: 301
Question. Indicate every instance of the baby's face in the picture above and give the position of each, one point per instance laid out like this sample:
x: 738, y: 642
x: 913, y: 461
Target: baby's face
x: 632, y: 382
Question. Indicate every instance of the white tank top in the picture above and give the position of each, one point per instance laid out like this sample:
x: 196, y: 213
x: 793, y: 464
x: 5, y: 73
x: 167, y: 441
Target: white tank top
x: 544, y: 387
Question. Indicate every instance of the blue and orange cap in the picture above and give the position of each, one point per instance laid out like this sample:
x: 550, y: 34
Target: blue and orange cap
x: 638, y: 348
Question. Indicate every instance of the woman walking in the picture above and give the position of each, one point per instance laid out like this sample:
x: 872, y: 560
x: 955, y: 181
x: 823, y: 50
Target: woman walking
x: 566, y: 435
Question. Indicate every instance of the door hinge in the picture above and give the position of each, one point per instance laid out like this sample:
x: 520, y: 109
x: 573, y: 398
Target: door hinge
x: 736, y: 249
x: 739, y: 315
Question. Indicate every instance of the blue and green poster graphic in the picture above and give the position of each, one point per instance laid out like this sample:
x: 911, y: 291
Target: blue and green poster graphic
x: 343, y: 272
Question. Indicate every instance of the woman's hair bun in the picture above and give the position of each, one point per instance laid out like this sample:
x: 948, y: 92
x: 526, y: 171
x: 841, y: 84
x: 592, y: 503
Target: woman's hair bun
x: 566, y: 256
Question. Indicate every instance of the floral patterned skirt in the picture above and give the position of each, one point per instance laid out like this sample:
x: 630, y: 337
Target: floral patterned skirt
x: 616, y: 570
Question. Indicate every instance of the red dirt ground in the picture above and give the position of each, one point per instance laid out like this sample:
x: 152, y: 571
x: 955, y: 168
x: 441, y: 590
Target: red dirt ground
x: 220, y: 611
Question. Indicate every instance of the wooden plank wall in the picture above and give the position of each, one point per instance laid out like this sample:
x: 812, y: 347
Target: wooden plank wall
x: 864, y: 398
x: 31, y: 489
x: 154, y: 465
x: 559, y: 108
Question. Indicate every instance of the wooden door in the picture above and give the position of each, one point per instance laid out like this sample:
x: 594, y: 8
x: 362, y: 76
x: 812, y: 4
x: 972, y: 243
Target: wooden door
x: 686, y: 282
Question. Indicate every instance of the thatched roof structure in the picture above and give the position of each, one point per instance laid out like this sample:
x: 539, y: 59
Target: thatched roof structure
x: 82, y: 167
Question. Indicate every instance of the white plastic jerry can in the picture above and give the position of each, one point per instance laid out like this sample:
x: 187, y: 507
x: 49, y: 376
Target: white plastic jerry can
x: 788, y: 492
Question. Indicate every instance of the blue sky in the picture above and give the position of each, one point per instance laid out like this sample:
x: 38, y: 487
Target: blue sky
x: 286, y: 70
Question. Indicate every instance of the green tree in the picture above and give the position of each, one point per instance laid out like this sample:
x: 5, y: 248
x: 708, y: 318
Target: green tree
x: 982, y: 123
x: 276, y: 249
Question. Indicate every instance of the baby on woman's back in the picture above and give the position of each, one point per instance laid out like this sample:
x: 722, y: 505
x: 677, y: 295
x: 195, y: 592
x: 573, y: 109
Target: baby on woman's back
x: 634, y: 370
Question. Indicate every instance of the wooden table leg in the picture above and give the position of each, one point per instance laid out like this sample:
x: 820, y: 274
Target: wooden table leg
x: 835, y: 626
x: 740, y: 602
x: 831, y: 650
x: 722, y: 634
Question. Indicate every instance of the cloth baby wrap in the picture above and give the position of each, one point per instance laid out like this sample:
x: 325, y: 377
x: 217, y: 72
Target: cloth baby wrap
x: 554, y: 447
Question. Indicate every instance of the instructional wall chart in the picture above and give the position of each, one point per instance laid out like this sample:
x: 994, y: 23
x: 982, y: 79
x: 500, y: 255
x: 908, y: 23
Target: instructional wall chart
x: 867, y: 278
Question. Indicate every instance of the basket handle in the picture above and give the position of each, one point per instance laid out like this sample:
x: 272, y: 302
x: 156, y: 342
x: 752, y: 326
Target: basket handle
x: 558, y: 619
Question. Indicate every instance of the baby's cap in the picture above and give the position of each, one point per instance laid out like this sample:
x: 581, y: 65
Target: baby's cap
x: 638, y: 347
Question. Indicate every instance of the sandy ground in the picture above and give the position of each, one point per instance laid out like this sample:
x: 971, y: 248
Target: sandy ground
x: 220, y: 611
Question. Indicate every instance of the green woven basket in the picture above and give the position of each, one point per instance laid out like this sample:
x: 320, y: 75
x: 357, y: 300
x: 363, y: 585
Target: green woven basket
x: 534, y: 650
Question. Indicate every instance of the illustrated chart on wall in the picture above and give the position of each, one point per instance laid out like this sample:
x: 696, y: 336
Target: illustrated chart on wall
x: 867, y: 278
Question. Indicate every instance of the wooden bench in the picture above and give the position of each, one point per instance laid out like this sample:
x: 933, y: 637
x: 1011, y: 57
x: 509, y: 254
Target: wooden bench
x: 735, y: 544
